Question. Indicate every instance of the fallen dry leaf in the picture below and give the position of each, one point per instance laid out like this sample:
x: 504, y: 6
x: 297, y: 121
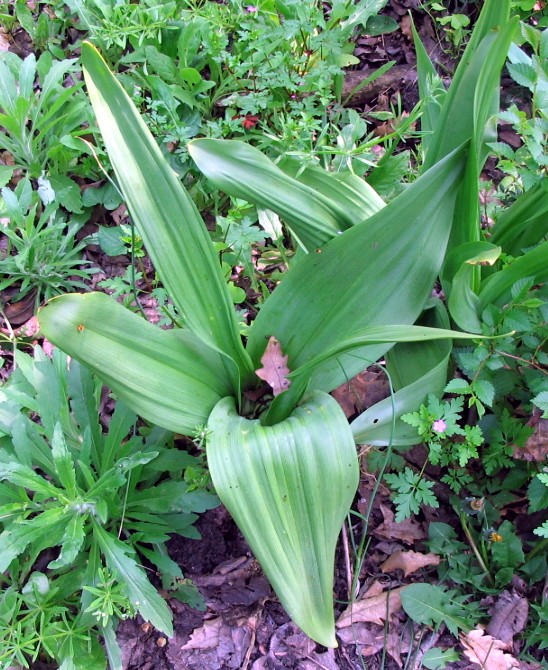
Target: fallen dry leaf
x: 370, y: 638
x: 536, y: 447
x: 206, y: 636
x: 361, y: 392
x: 375, y: 609
x: 4, y: 40
x: 487, y: 651
x: 408, y: 531
x: 408, y: 561
x: 274, y: 370
x: 509, y: 617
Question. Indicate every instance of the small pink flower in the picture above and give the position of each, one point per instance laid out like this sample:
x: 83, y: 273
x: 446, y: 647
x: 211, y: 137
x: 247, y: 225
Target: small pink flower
x: 251, y: 9
x: 439, y: 426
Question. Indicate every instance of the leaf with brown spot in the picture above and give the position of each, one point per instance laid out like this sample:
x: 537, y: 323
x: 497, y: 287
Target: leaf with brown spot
x: 487, y: 651
x: 375, y: 609
x: 274, y: 370
x: 408, y: 561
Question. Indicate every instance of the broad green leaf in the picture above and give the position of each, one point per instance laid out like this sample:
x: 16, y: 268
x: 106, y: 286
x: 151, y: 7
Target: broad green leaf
x: 358, y: 200
x: 429, y: 604
x: 289, y: 488
x: 244, y: 172
x: 376, y: 274
x: 496, y: 288
x: 167, y: 376
x: 143, y: 596
x: 168, y: 222
x: 525, y: 222
x: 379, y: 335
x: 436, y: 658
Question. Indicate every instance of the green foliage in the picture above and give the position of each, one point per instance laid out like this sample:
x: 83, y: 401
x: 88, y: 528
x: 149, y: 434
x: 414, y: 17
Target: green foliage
x: 527, y: 165
x: 42, y: 255
x: 412, y: 492
x: 433, y: 605
x: 67, y: 484
x: 41, y: 126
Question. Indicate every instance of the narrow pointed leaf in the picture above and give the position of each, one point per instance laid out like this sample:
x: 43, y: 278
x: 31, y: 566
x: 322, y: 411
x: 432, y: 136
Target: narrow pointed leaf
x: 244, y: 172
x: 459, y: 107
x: 167, y: 376
x: 289, y: 488
x: 376, y: 274
x: 167, y: 220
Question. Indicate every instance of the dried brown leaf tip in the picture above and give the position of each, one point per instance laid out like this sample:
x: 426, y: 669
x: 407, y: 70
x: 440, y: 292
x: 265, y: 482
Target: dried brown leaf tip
x: 274, y: 370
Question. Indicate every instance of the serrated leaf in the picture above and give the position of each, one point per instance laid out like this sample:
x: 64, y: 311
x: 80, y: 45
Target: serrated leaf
x: 458, y: 386
x: 64, y: 466
x: 72, y: 542
x: 523, y: 74
x: 428, y: 604
x: 541, y: 401
x: 47, y: 529
x: 438, y: 658
x: 485, y: 391
x: 143, y: 596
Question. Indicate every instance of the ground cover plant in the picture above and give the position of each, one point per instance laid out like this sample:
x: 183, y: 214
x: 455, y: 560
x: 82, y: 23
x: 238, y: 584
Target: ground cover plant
x: 483, y: 452
x: 92, y: 504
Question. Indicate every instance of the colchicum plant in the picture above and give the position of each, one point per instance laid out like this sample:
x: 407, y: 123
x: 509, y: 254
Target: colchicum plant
x: 287, y: 469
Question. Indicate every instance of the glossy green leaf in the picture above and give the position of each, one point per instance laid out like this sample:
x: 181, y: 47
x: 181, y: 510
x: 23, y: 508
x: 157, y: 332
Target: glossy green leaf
x: 167, y: 376
x: 289, y: 488
x: 313, y: 216
x: 167, y: 220
x: 368, y: 277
